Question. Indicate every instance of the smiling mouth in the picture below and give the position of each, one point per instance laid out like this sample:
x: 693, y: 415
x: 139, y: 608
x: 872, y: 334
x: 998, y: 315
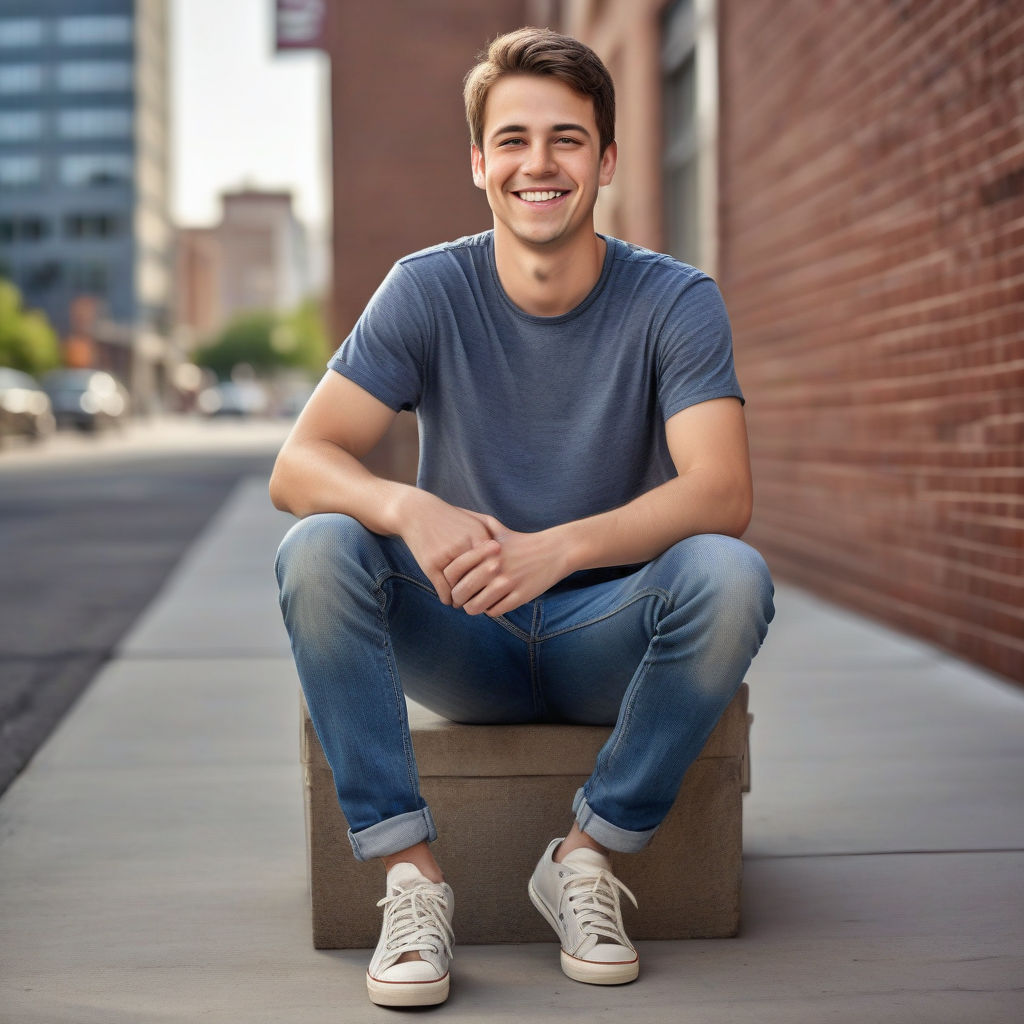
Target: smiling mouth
x: 541, y: 197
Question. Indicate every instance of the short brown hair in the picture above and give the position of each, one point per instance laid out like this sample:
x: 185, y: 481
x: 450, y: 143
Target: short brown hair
x: 539, y: 51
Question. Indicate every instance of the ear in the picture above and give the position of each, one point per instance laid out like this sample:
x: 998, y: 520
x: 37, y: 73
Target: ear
x: 477, y: 160
x: 608, y: 159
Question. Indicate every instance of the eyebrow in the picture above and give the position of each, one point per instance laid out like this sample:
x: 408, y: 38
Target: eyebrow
x: 513, y: 128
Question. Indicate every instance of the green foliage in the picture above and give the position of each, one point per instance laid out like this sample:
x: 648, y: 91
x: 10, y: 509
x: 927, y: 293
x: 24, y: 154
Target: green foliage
x: 268, y: 342
x: 27, y: 341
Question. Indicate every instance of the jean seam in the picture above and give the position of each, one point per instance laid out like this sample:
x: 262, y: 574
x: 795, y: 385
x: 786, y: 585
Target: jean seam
x: 513, y: 629
x: 396, y: 688
x: 387, y: 573
x: 627, y: 711
x: 649, y: 592
x: 538, y: 695
x: 632, y: 694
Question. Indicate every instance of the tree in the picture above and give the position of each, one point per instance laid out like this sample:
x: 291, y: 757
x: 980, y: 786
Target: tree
x: 268, y: 342
x: 27, y: 341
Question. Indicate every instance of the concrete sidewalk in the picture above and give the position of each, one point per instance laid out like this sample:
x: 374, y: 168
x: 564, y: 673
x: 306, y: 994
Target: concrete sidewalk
x: 152, y: 863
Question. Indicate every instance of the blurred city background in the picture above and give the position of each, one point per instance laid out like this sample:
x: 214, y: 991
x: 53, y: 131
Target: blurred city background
x: 197, y: 197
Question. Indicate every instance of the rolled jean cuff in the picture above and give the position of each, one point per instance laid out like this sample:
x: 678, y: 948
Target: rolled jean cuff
x: 393, y: 834
x: 621, y: 840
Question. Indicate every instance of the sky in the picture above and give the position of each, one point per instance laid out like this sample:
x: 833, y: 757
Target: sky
x: 240, y: 114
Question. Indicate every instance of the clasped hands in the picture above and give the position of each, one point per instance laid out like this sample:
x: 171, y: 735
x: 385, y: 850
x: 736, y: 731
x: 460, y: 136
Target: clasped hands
x: 479, y: 565
x: 502, y: 573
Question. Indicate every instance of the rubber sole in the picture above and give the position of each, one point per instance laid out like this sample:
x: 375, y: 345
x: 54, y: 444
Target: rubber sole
x: 408, y: 993
x: 590, y: 972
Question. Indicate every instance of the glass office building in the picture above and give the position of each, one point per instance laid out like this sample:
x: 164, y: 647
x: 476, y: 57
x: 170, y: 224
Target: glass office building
x: 84, y: 227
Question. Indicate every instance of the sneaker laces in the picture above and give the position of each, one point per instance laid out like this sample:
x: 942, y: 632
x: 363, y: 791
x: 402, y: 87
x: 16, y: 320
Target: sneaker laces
x: 414, y: 920
x: 595, y: 905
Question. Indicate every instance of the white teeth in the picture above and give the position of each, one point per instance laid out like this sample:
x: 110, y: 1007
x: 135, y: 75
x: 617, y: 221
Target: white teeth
x: 538, y: 197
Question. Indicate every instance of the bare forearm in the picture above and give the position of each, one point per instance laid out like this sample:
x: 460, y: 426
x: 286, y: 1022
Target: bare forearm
x: 650, y: 524
x: 511, y: 568
x: 319, y: 476
x: 313, y: 476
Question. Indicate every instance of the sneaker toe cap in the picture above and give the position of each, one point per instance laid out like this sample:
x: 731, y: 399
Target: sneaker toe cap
x: 410, y: 971
x: 608, y: 953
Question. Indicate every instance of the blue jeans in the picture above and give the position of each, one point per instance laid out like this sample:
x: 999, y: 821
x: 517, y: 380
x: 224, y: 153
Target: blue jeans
x: 657, y: 650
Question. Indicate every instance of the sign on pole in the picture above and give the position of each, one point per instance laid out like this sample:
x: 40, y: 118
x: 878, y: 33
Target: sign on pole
x: 299, y: 24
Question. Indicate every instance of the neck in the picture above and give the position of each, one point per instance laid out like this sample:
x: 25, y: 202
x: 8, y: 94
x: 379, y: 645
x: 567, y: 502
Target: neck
x: 545, y: 282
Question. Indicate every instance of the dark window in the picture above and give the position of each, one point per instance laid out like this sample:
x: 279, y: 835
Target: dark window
x: 92, y: 225
x: 89, y: 277
x: 43, y: 276
x: 33, y: 229
x: 23, y: 229
x: 96, y: 169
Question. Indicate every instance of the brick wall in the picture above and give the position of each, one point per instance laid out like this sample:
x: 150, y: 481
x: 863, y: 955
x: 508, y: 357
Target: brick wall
x: 401, y: 168
x: 872, y: 259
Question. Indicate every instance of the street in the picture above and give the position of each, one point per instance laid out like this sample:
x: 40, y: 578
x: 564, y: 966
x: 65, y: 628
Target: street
x: 89, y: 530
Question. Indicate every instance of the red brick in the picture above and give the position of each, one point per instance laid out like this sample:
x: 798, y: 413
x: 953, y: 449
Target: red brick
x: 872, y: 258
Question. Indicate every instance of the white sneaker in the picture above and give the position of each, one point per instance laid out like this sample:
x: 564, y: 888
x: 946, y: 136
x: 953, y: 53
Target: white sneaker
x: 417, y: 918
x: 580, y: 899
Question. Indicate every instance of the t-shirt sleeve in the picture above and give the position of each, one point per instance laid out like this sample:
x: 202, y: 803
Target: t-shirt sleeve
x: 695, y: 361
x: 386, y: 351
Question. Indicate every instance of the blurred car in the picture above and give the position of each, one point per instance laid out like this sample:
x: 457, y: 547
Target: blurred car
x: 24, y: 407
x: 233, y: 398
x: 86, y: 399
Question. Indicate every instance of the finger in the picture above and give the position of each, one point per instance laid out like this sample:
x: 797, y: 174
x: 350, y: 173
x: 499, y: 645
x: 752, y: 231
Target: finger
x: 508, y: 603
x: 441, y: 587
x: 474, y: 582
x: 493, y: 595
x: 462, y: 564
x: 494, y: 527
x: 461, y: 547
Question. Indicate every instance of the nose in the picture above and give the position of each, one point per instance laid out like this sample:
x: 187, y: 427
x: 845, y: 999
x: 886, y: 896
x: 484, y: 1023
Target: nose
x: 539, y: 160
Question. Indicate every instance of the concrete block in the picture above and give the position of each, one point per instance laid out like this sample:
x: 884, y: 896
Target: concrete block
x: 479, y: 780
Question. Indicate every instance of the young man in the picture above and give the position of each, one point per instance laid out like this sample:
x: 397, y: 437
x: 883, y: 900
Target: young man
x: 569, y: 552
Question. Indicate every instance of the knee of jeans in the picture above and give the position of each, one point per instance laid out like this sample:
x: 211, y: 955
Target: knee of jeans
x: 317, y: 547
x: 729, y: 573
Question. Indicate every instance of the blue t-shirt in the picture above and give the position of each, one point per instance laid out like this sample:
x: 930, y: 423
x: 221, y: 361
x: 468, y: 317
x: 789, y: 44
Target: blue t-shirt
x: 541, y: 420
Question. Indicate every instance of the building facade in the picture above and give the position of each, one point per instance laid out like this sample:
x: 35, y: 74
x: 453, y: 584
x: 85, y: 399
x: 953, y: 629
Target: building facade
x: 84, y: 159
x: 255, y: 258
x: 197, y: 308
x: 862, y: 207
x: 264, y: 257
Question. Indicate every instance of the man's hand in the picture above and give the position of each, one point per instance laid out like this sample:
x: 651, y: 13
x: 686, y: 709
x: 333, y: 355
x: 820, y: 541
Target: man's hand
x: 506, y: 570
x: 438, y: 533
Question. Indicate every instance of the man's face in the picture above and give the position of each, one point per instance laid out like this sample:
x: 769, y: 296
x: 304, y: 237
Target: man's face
x: 540, y: 163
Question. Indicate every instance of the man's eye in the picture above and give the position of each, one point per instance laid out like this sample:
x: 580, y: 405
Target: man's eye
x: 568, y: 138
x: 510, y: 142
